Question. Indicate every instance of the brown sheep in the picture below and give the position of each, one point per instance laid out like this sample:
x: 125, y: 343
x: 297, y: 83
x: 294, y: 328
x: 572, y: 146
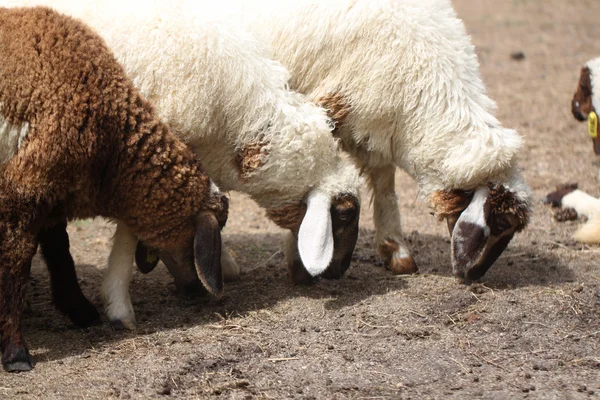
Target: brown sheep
x: 77, y: 140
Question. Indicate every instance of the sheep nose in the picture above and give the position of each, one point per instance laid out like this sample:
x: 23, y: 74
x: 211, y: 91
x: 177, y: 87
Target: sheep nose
x: 579, y: 115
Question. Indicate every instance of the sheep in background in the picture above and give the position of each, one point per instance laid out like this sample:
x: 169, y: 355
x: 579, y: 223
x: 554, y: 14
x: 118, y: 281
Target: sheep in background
x: 401, y: 81
x: 78, y: 141
x: 574, y: 203
x: 586, y: 102
x: 212, y: 82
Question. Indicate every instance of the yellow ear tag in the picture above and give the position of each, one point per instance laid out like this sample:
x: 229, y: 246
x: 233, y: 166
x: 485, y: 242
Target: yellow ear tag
x: 593, y: 125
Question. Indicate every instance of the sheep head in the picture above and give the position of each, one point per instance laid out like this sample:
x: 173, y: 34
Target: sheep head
x: 585, y: 100
x: 581, y: 105
x: 198, y: 260
x: 482, y: 222
x: 324, y: 231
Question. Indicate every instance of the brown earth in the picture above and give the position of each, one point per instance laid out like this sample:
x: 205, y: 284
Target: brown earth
x: 530, y: 329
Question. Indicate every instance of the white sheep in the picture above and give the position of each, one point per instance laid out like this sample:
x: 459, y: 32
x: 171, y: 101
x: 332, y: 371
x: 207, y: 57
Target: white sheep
x: 402, y: 82
x: 212, y: 82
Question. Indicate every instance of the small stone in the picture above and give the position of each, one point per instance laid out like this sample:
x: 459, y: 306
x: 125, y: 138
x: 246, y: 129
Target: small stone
x: 517, y: 55
x: 540, y: 367
x: 166, y: 391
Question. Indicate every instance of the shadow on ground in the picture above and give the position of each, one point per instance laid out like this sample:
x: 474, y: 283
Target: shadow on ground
x: 263, y: 284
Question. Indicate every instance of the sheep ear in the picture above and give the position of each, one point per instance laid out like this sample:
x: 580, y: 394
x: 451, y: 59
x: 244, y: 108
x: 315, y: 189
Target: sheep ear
x: 146, y: 258
x: 207, y: 252
x: 470, y: 234
x: 315, y: 237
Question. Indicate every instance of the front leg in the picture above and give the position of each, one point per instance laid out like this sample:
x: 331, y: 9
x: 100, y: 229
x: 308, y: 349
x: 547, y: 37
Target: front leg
x: 66, y: 293
x: 115, y: 286
x: 17, y: 248
x: 231, y: 269
x: 386, y: 215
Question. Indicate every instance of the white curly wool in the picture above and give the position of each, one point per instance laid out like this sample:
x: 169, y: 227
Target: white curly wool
x: 594, y: 67
x: 410, y: 74
x: 11, y: 137
x: 403, y: 79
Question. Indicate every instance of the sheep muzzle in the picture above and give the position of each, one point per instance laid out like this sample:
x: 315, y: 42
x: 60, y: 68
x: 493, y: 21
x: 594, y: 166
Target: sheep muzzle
x: 481, y: 233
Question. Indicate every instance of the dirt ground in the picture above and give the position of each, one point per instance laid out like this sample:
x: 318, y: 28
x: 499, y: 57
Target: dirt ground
x: 530, y: 329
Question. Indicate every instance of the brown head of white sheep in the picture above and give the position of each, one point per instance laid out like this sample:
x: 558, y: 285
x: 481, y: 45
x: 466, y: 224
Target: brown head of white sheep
x: 586, y: 100
x: 481, y: 222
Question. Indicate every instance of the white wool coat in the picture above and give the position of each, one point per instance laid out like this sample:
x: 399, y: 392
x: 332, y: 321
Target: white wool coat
x: 410, y: 75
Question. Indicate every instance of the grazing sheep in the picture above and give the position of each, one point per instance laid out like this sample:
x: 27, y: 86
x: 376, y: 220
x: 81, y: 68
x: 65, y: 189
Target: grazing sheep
x: 400, y: 79
x: 79, y: 141
x: 212, y: 82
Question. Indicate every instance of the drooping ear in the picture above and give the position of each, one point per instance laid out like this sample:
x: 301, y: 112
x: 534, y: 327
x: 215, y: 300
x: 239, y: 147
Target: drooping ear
x: 146, y: 258
x: 207, y: 252
x: 470, y: 234
x: 315, y: 237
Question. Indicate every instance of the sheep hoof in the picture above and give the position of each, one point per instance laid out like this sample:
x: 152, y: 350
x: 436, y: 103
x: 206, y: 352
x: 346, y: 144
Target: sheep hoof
x: 122, y: 324
x: 17, y: 359
x: 403, y: 266
x: 396, y: 258
x: 81, y: 313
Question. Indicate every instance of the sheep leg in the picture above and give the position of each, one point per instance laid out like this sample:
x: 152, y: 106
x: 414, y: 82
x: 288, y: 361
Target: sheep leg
x: 66, y: 293
x: 115, y: 286
x: 17, y: 248
x: 386, y: 215
x: 231, y: 269
x: 298, y: 273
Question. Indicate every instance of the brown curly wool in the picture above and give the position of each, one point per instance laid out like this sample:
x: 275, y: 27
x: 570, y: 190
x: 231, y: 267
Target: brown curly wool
x: 450, y: 202
x: 502, y: 202
x: 93, y: 147
x: 565, y: 214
